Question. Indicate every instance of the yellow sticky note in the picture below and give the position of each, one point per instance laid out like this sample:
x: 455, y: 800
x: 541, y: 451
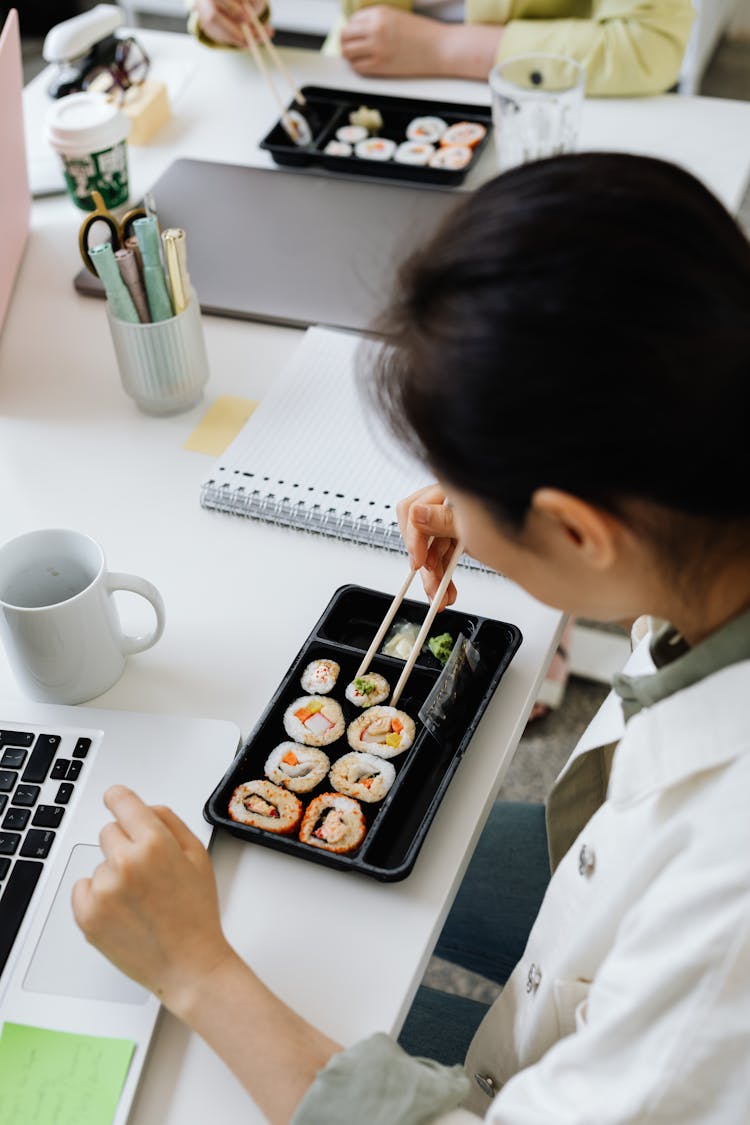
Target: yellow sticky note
x: 56, y: 1078
x: 220, y: 424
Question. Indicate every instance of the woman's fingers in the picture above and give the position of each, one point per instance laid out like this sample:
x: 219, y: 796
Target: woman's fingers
x: 182, y: 834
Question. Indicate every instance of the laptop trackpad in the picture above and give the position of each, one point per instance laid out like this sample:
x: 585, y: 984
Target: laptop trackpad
x: 64, y: 964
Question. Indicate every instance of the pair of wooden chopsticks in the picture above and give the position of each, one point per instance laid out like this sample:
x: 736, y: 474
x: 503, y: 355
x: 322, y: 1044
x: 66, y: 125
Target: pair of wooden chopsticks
x: 426, y: 625
x: 254, y: 21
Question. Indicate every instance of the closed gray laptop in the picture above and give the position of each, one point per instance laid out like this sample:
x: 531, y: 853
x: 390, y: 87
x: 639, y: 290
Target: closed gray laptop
x: 293, y: 248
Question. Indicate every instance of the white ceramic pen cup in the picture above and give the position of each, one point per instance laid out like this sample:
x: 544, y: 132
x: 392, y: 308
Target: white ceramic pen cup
x: 58, y: 619
x: 163, y: 366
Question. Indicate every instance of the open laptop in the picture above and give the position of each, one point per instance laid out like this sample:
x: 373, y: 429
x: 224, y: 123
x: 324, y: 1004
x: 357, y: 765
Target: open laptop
x: 293, y: 247
x: 55, y: 764
x: 15, y: 197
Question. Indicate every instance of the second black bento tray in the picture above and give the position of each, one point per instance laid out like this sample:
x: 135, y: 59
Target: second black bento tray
x: 396, y: 826
x: 327, y: 109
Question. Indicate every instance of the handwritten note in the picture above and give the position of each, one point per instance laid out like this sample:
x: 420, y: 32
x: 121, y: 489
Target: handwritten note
x: 55, y: 1078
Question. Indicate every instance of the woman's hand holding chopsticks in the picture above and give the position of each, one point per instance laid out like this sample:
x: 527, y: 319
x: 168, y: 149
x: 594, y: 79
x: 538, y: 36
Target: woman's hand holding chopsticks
x: 226, y: 21
x: 422, y: 517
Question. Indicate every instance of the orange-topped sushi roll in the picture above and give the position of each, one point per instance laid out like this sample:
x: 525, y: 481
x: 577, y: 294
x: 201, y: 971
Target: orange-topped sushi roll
x: 314, y: 720
x: 384, y: 731
x: 297, y: 768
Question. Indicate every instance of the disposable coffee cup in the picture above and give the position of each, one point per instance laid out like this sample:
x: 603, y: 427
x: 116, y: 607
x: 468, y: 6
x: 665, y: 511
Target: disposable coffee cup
x: 89, y: 134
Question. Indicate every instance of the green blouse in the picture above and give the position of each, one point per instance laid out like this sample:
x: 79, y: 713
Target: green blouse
x: 628, y: 46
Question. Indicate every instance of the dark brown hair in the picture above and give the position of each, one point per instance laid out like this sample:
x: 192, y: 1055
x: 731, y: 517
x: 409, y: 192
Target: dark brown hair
x: 581, y: 323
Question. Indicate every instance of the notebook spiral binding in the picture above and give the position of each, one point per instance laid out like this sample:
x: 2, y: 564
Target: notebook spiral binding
x: 238, y: 500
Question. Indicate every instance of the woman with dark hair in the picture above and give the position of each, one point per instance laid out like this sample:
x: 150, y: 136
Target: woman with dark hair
x: 571, y: 356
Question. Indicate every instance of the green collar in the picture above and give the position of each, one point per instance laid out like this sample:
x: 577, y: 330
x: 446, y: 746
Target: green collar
x: 678, y: 666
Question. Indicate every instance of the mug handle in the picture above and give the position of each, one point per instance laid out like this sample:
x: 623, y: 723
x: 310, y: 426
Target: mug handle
x: 135, y: 585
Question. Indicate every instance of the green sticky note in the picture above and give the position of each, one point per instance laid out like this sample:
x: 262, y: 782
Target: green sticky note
x: 55, y: 1078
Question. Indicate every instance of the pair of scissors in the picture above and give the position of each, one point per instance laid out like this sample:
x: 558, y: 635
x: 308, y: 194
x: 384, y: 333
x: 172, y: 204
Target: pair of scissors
x: 100, y: 225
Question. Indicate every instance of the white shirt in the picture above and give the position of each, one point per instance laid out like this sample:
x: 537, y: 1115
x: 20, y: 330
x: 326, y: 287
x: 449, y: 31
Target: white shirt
x: 632, y: 1000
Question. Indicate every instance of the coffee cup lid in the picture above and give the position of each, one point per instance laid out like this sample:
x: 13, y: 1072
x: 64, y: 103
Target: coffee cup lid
x: 79, y: 124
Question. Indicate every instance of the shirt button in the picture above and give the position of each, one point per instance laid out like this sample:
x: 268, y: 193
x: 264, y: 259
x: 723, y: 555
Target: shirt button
x: 534, y: 977
x: 586, y: 860
x: 486, y: 1084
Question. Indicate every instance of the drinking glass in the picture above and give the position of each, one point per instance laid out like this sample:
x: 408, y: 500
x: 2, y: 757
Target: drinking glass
x: 536, y: 107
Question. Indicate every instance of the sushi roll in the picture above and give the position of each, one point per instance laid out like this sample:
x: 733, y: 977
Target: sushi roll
x: 264, y: 805
x: 414, y: 152
x: 296, y: 127
x: 367, y: 690
x: 319, y: 677
x: 338, y: 148
x: 369, y: 119
x: 427, y: 129
x: 468, y: 133
x: 297, y: 768
x: 362, y: 775
x: 375, y: 148
x: 351, y: 134
x: 314, y: 720
x: 383, y: 731
x: 452, y: 157
x: 334, y: 823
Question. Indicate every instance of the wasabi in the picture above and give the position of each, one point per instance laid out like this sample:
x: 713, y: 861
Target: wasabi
x: 441, y: 647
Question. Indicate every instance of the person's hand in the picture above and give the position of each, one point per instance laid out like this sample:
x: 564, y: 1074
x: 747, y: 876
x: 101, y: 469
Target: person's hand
x: 424, y: 516
x: 380, y: 40
x: 151, y: 907
x: 225, y: 21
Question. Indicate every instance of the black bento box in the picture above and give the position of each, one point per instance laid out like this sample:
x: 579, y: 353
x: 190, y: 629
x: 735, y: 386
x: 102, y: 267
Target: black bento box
x: 327, y: 109
x: 396, y: 826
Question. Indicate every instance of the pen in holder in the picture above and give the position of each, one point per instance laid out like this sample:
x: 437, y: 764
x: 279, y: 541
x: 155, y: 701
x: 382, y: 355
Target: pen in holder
x: 163, y: 365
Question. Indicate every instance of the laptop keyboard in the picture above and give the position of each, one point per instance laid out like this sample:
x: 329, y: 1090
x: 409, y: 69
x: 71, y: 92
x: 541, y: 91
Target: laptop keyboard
x: 31, y: 765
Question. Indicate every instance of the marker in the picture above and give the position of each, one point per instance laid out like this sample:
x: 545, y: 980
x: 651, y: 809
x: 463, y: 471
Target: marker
x: 159, y: 303
x: 175, y: 254
x: 127, y: 264
x: 120, y: 301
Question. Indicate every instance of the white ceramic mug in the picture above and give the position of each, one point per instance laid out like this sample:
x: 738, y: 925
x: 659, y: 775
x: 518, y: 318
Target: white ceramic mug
x: 58, y: 619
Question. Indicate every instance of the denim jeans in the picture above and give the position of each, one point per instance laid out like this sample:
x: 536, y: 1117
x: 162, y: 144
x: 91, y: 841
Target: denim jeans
x: 487, y: 928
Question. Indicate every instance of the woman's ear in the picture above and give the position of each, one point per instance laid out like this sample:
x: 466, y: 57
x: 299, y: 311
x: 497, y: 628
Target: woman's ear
x: 568, y: 523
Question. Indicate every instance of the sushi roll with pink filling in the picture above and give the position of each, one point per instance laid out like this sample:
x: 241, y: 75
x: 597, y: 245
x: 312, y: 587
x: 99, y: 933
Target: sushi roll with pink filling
x: 375, y: 148
x: 298, y: 768
x: 314, y: 720
x: 334, y: 823
x: 364, y: 776
x: 383, y: 731
x: 351, y: 134
x: 319, y: 677
x: 296, y: 127
x: 367, y: 690
x: 262, y: 804
x: 426, y: 129
x: 414, y: 152
x: 452, y: 157
x: 338, y: 148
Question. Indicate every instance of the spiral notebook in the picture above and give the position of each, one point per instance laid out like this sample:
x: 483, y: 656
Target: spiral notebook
x: 313, y: 456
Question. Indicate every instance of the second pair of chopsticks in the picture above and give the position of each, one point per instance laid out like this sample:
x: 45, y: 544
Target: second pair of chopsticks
x: 426, y: 624
x: 255, y: 23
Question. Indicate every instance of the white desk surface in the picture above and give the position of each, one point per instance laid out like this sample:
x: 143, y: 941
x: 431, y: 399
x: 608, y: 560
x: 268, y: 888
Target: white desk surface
x: 242, y: 596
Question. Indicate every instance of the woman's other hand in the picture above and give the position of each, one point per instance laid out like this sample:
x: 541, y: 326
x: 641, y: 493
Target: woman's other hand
x: 422, y: 517
x: 151, y: 906
x: 379, y: 40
